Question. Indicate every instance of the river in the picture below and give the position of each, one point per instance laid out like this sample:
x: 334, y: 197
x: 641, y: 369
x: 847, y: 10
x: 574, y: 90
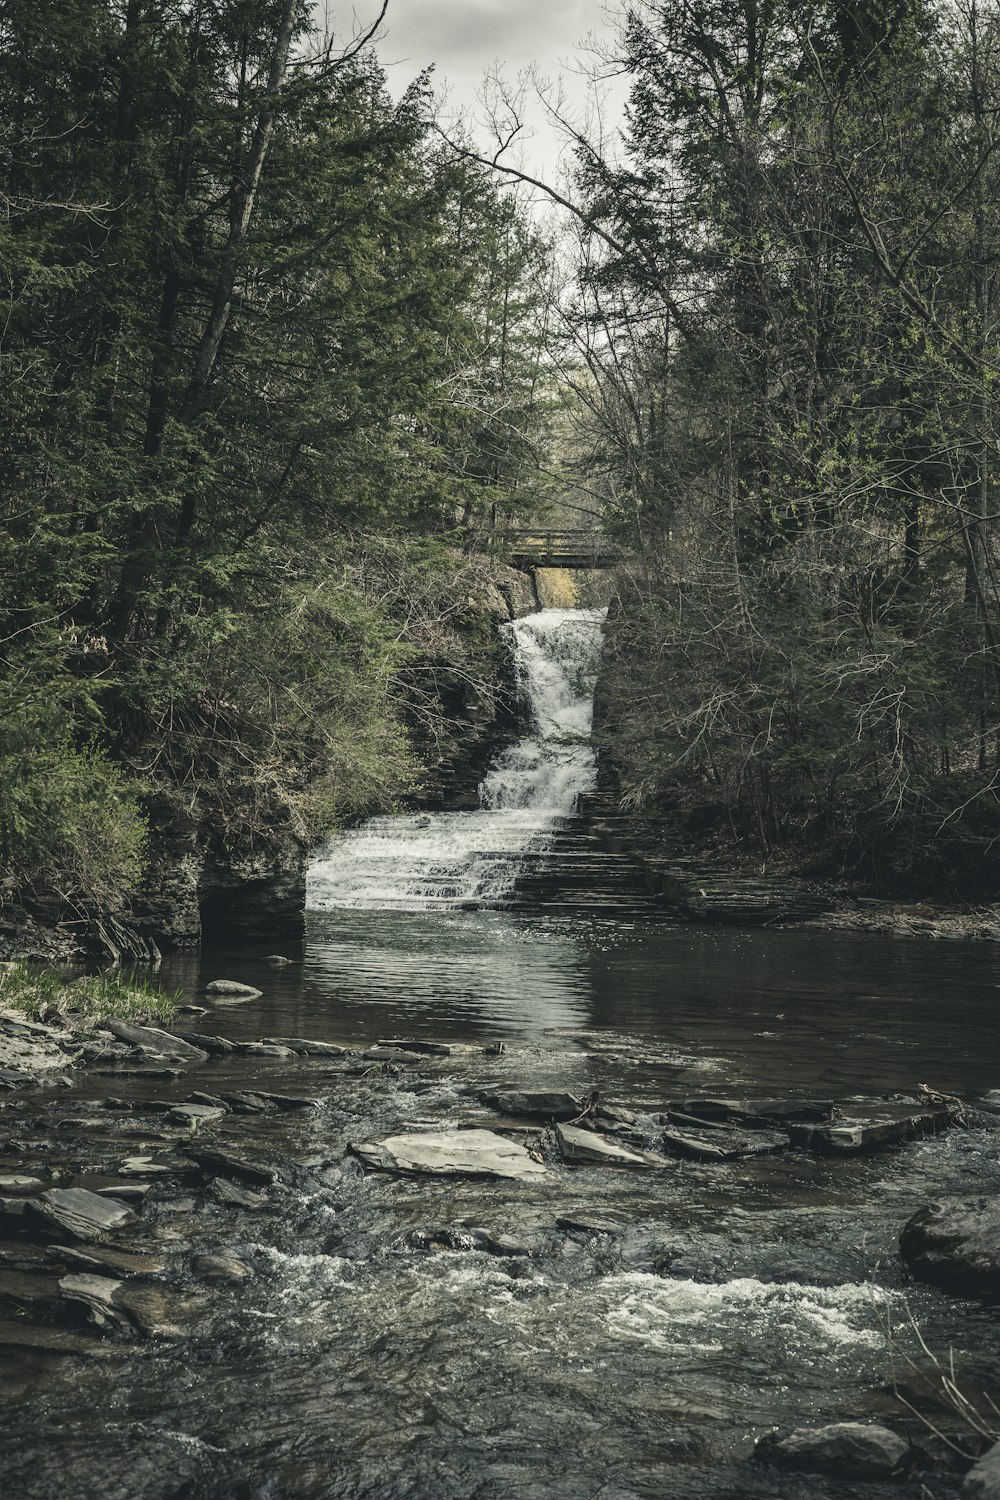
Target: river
x: 597, y: 1335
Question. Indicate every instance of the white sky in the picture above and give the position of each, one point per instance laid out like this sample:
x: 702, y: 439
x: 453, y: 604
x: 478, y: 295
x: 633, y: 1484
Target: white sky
x: 464, y: 38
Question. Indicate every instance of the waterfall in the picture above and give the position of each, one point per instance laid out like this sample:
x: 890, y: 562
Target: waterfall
x: 420, y: 861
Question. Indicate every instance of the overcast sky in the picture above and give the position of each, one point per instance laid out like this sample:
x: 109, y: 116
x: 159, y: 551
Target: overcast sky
x: 464, y: 38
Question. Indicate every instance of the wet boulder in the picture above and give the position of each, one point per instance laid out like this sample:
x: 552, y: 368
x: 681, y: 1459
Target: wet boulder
x: 193, y: 1116
x: 231, y: 989
x: 154, y: 1042
x: 223, y: 1163
x: 754, y: 1113
x: 955, y: 1243
x: 722, y: 1145
x: 307, y: 1048
x: 214, y: 1046
x: 537, y: 1105
x: 873, y: 1131
x: 78, y: 1213
x: 585, y: 1148
x: 231, y: 1195
x: 856, y: 1450
x: 451, y: 1153
x: 983, y: 1480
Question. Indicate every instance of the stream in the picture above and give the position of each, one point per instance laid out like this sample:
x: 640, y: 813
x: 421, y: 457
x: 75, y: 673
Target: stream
x: 591, y: 1335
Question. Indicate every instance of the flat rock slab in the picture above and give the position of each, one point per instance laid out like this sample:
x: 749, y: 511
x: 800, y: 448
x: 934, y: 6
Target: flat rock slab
x: 430, y: 1049
x: 192, y: 1115
x: 452, y: 1153
x: 535, y: 1105
x: 955, y: 1243
x: 263, y: 1049
x: 93, y: 1296
x: 231, y: 1195
x: 231, y: 1164
x: 591, y: 1223
x: 857, y: 1450
x: 153, y: 1040
x: 231, y: 989
x: 874, y: 1132
x: 106, y: 1258
x: 584, y: 1148
x: 289, y: 1101
x: 17, y: 1184
x: 723, y: 1145
x: 78, y: 1213
x: 304, y: 1047
x: 214, y: 1046
x: 756, y: 1112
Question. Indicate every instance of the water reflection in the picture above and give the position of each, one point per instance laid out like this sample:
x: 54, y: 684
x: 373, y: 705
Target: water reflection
x: 776, y: 1010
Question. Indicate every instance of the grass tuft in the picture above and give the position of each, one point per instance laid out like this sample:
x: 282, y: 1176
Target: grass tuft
x: 39, y: 993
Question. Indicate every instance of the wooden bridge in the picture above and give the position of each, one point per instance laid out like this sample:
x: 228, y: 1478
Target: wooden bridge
x: 534, y: 547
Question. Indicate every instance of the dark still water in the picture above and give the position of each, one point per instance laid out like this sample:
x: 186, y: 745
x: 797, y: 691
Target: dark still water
x: 638, y: 1331
x: 748, y: 1007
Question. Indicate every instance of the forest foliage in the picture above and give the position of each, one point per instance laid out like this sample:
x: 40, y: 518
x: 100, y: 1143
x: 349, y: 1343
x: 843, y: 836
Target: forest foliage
x: 269, y: 356
x: 785, y: 353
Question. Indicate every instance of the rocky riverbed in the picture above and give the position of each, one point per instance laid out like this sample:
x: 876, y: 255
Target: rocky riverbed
x: 194, y: 1223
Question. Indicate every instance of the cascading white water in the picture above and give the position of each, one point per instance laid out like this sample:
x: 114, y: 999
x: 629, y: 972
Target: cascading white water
x: 419, y: 861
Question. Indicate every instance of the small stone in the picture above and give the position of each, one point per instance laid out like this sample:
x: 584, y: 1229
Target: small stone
x: 145, y: 1166
x: 307, y: 1048
x: 194, y: 1115
x: 232, y: 989
x: 220, y: 1268
x: 856, y: 1449
x: 263, y: 1049
x: 278, y: 960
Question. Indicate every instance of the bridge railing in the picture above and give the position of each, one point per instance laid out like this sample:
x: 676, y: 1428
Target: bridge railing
x: 563, y: 546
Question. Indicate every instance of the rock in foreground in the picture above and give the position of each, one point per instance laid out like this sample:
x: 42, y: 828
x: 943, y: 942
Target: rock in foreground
x: 80, y: 1214
x: 955, y: 1243
x: 451, y: 1153
x: 856, y: 1449
x: 584, y: 1148
x: 983, y: 1480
